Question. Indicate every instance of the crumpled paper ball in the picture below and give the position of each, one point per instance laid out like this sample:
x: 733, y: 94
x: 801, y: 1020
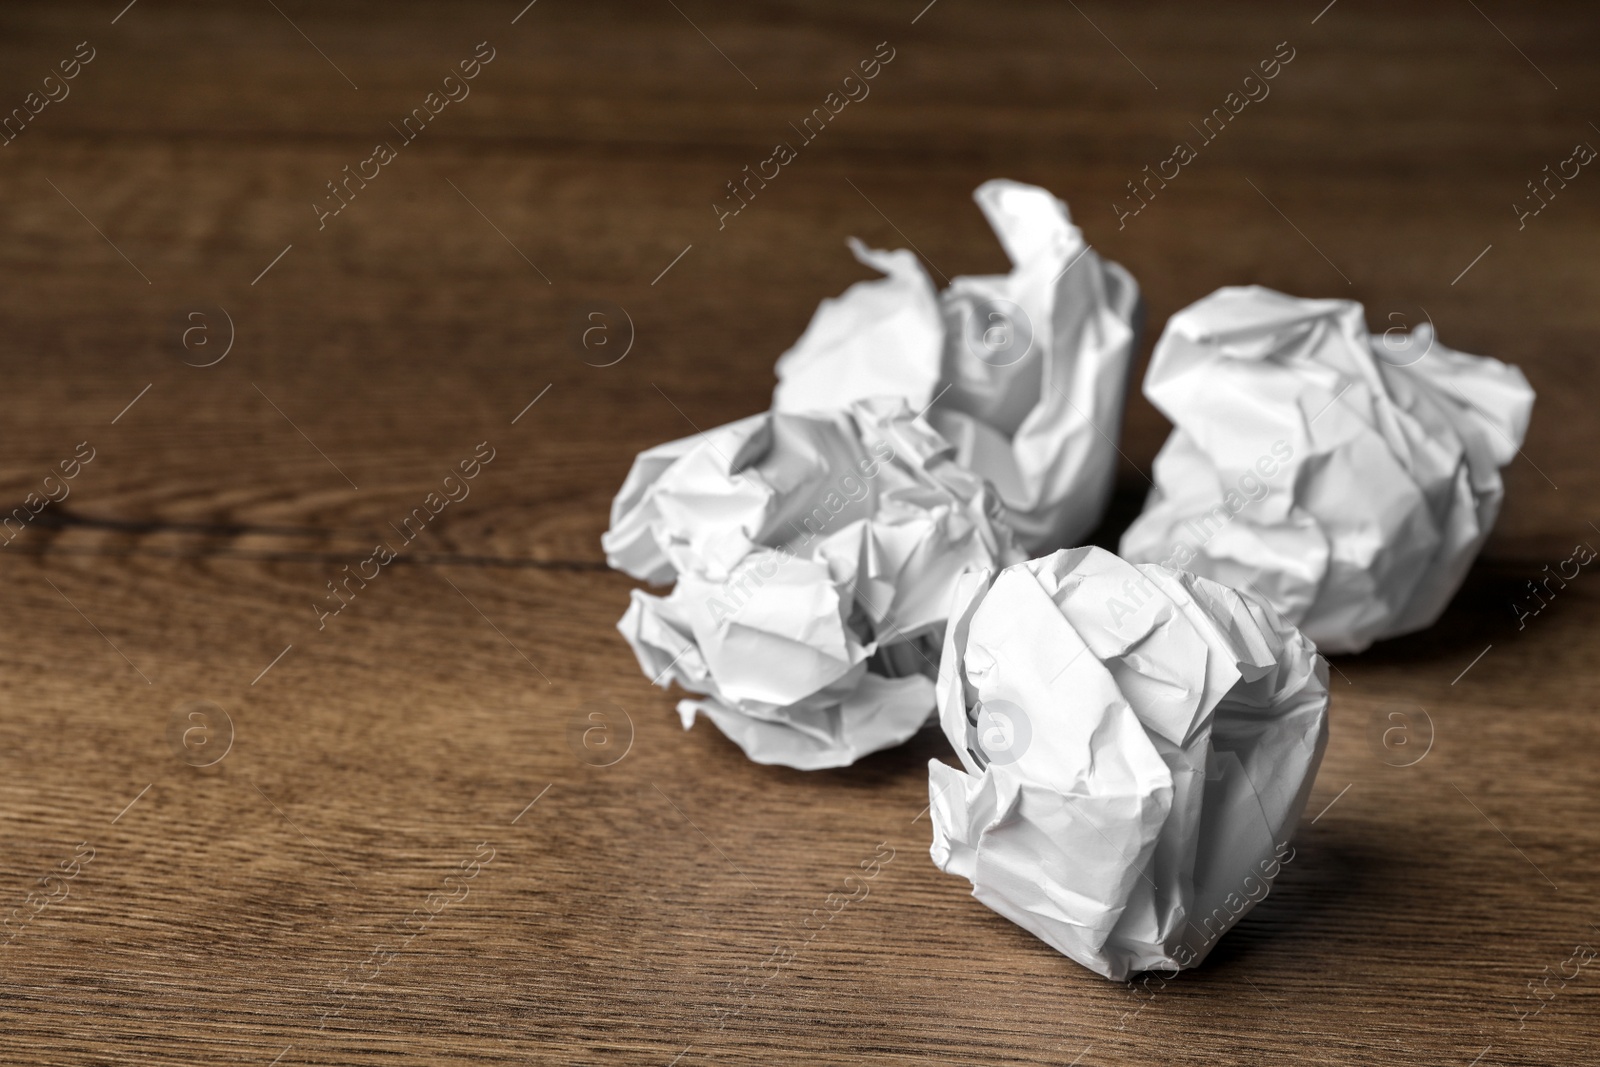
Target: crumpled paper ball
x: 814, y: 557
x: 1348, y: 478
x: 1024, y: 372
x: 1138, y: 744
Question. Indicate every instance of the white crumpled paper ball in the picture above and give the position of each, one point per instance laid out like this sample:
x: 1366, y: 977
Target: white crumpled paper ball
x: 1348, y: 478
x: 814, y: 558
x: 1138, y: 745
x: 1024, y: 372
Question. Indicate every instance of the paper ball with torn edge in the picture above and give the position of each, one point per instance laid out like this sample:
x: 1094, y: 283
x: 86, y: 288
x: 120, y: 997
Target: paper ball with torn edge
x: 1024, y: 372
x: 1138, y: 744
x: 814, y: 556
x: 1348, y: 478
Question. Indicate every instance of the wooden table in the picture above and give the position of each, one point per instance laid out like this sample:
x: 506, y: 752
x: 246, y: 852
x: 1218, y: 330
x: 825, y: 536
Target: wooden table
x: 274, y: 905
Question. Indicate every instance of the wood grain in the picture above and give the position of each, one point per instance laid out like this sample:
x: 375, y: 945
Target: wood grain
x: 256, y: 908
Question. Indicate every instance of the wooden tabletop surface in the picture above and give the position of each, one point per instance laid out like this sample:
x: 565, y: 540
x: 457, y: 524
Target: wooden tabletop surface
x: 248, y: 390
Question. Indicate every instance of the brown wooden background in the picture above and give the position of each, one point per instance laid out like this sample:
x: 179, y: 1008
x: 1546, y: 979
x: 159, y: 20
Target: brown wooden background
x: 634, y: 903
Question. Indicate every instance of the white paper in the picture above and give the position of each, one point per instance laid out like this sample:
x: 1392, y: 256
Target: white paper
x: 1138, y: 744
x: 1348, y: 478
x: 815, y: 557
x: 1025, y: 372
